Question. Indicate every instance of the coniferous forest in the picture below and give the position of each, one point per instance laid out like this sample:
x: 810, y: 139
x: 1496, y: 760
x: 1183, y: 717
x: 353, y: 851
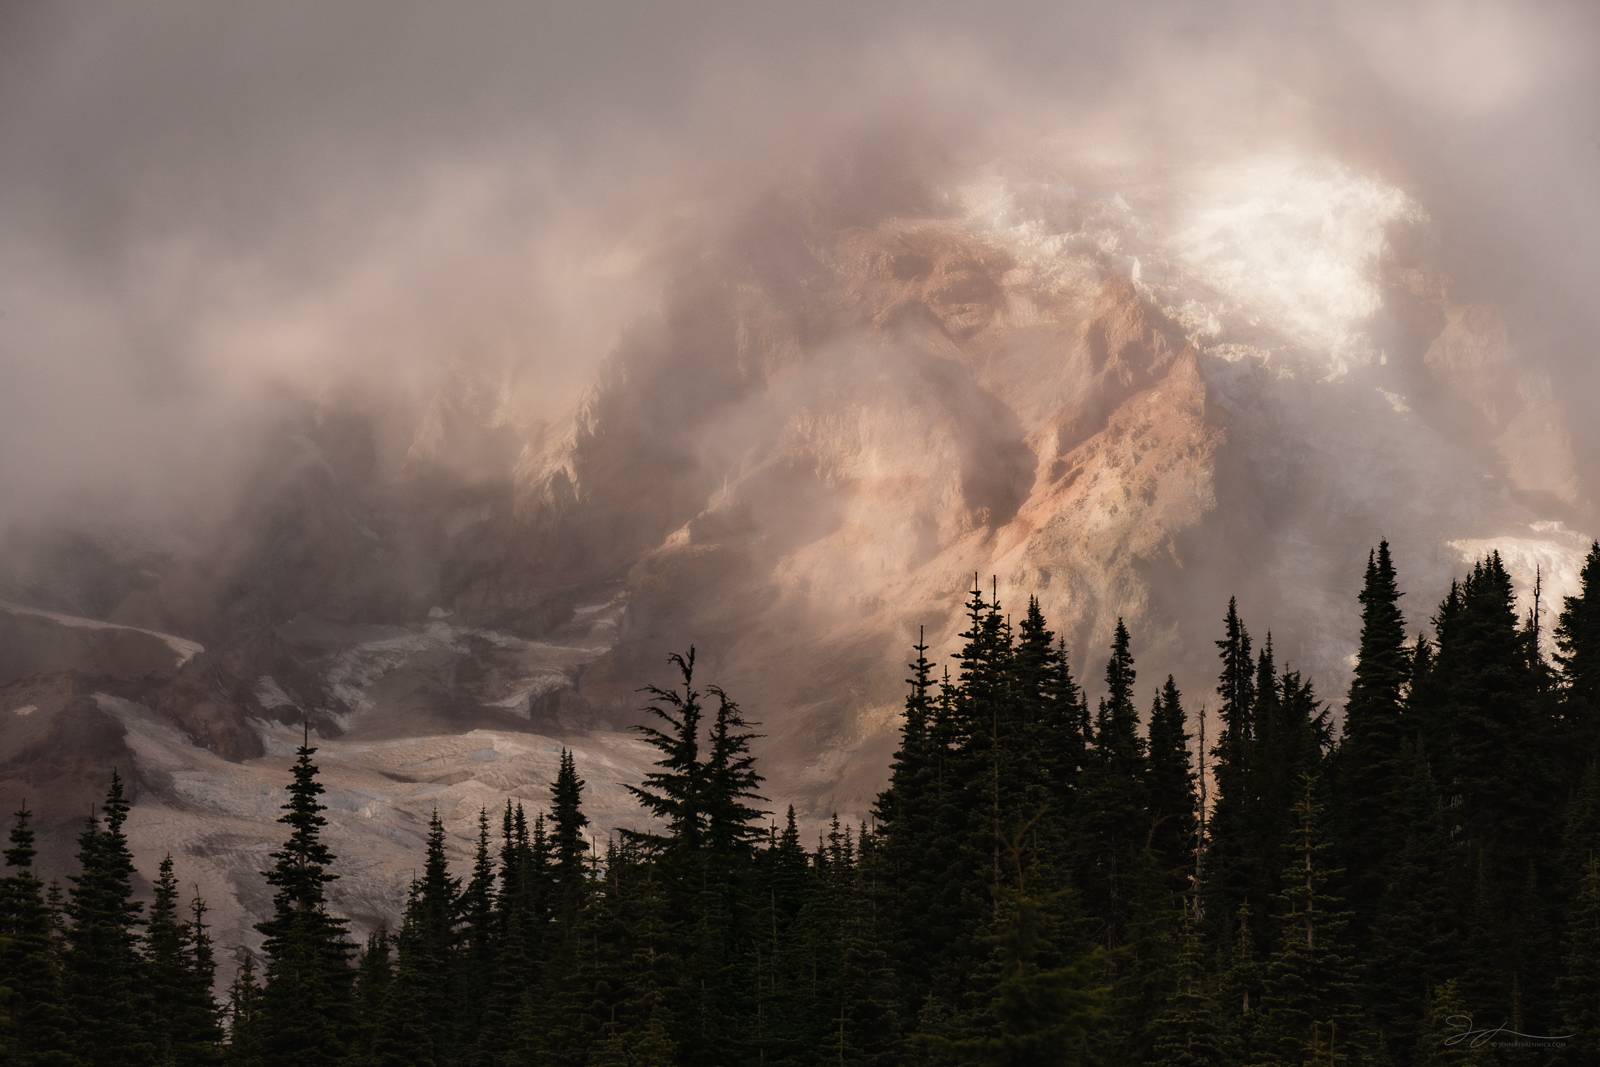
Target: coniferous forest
x: 1044, y: 881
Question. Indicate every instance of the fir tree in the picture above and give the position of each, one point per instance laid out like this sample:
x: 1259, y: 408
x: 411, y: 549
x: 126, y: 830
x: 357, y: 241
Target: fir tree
x: 1170, y: 777
x: 305, y: 1000
x: 569, y: 849
x: 1113, y: 810
x: 246, y: 1025
x: 178, y: 976
x: 29, y: 964
x: 1577, y: 639
x: 1579, y: 985
x: 1309, y: 1004
x: 673, y: 792
x: 1232, y: 874
x: 105, y: 976
x: 1373, y: 729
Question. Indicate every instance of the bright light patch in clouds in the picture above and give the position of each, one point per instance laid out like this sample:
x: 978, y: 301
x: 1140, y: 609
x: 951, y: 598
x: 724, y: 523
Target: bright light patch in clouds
x: 1296, y: 243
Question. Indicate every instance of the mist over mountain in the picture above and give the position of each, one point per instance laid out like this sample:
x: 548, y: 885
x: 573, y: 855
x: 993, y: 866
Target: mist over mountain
x: 428, y: 376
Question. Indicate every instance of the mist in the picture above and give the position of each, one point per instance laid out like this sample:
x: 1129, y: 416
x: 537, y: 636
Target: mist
x: 212, y: 216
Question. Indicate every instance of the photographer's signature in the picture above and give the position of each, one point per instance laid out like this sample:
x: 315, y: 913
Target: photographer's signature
x: 1498, y: 1036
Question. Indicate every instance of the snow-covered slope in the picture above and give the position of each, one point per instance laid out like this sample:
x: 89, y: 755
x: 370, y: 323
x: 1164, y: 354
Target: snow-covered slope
x: 1132, y: 394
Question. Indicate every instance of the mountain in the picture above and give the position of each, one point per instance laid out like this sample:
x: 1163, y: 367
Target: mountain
x: 1132, y: 395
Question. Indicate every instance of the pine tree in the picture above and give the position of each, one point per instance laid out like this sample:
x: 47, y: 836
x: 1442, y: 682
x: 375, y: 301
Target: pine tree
x: 673, y: 792
x: 409, y: 1020
x: 731, y: 783
x: 1192, y: 1029
x: 201, y: 1029
x: 1171, y: 787
x: 1579, y: 985
x: 1046, y: 992
x: 104, y: 973
x: 246, y: 1026
x: 1113, y: 811
x: 1373, y: 729
x: 568, y: 846
x: 306, y: 998
x: 1232, y: 875
x: 479, y: 960
x: 178, y: 974
x: 374, y: 978
x: 1309, y: 1003
x: 1577, y: 638
x: 30, y: 968
x: 908, y: 814
x: 1444, y: 1034
x: 1414, y: 944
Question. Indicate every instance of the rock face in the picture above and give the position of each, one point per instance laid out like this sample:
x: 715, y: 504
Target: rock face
x: 831, y: 422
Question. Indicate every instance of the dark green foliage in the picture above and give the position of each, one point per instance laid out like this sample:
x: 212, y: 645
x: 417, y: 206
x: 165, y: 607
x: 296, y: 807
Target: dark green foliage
x: 306, y: 996
x: 1373, y: 730
x: 1036, y: 888
x: 1170, y: 784
x: 104, y: 973
x: 36, y: 1029
x: 1112, y: 813
x: 1577, y: 637
x: 1309, y: 1005
x: 247, y: 1039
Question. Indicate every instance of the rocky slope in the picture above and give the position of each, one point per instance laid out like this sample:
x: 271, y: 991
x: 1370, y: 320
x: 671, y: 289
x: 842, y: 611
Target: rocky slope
x: 1130, y: 397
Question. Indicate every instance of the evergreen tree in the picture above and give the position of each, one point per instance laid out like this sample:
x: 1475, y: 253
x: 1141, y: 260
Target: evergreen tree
x: 1310, y: 1011
x: 1113, y: 812
x: 1232, y: 874
x: 1373, y: 730
x: 569, y: 849
x: 1171, y: 787
x: 374, y: 978
x: 30, y: 969
x: 1579, y: 985
x: 105, y: 975
x: 201, y: 1029
x: 178, y: 975
x: 1577, y: 639
x: 673, y: 792
x: 1192, y: 1029
x: 306, y: 998
x: 479, y: 942
x: 246, y: 1026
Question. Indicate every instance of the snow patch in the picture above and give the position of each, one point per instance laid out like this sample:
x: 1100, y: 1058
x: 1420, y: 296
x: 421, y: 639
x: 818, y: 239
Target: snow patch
x: 1546, y: 550
x: 182, y: 647
x: 25, y: 710
x: 269, y: 694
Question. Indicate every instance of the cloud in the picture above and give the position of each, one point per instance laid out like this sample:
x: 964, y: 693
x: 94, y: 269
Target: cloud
x: 209, y: 214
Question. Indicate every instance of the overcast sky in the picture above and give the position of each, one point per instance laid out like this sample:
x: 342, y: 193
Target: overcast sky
x: 203, y: 204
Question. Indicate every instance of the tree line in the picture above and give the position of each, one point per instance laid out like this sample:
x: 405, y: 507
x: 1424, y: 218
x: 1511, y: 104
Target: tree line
x: 1043, y: 881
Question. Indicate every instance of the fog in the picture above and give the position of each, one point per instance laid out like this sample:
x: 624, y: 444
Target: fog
x: 210, y: 212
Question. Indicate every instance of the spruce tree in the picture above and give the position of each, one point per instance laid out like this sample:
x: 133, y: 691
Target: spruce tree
x: 306, y: 997
x: 1113, y: 812
x: 1232, y: 874
x: 1578, y: 988
x: 1171, y: 787
x: 1577, y: 639
x: 178, y: 974
x: 1373, y: 729
x: 673, y: 792
x: 1310, y: 1010
x: 246, y: 1026
x: 30, y: 967
x: 104, y: 979
x: 569, y: 849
